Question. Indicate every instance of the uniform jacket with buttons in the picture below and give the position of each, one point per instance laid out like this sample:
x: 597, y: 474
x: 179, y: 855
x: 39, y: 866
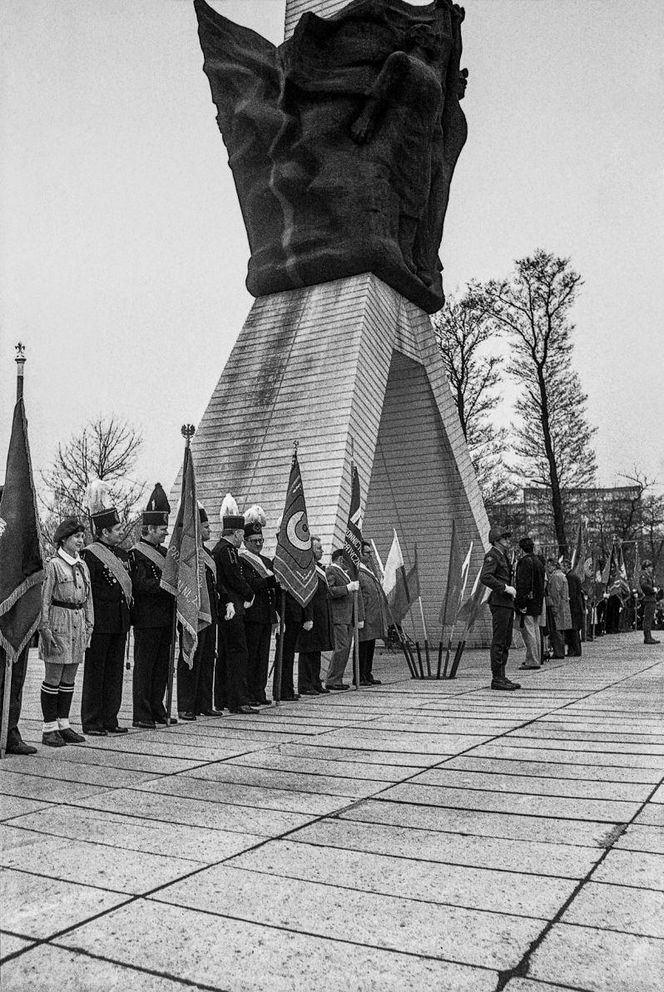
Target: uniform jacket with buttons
x: 111, y: 611
x: 153, y: 606
x: 496, y: 574
x: 262, y: 610
x: 233, y: 587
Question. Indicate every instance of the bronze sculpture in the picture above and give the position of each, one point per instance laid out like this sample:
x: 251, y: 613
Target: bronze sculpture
x: 342, y: 141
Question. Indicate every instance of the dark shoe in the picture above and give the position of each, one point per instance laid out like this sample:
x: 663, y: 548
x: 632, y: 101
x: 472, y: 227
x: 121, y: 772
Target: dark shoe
x: 364, y: 682
x: 245, y: 709
x: 651, y: 641
x: 290, y: 697
x: 339, y: 686
x: 323, y: 690
x: 504, y: 684
x: 20, y: 747
x: 70, y: 736
x: 143, y: 725
x: 531, y: 667
x: 517, y: 685
x: 373, y: 681
x: 308, y: 692
x: 187, y: 715
x: 53, y: 738
x: 95, y: 731
x: 208, y: 713
x: 117, y: 730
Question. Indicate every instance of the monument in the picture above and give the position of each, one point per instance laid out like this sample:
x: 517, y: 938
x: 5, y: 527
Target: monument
x: 343, y: 141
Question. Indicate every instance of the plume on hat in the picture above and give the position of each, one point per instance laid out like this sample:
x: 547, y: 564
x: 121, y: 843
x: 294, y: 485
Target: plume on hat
x: 255, y: 515
x: 228, y: 507
x: 98, y: 497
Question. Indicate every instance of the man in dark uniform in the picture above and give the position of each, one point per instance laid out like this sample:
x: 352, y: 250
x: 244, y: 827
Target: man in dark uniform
x: 103, y: 670
x: 259, y: 617
x: 647, y: 583
x: 317, y: 633
x: 496, y: 574
x: 152, y: 615
x: 15, y: 743
x: 195, y: 683
x: 236, y: 592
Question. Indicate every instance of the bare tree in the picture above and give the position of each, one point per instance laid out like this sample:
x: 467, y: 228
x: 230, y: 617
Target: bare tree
x: 552, y: 436
x: 104, y: 449
x: 474, y: 376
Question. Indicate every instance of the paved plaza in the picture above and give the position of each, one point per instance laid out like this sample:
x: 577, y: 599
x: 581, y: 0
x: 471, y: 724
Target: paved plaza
x: 416, y: 836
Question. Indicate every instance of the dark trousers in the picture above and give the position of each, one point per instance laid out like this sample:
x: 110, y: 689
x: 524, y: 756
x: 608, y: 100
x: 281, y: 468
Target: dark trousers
x: 502, y: 618
x: 19, y: 669
x: 366, y: 659
x: 236, y: 689
x: 573, y: 642
x: 648, y: 617
x: 556, y: 637
x: 219, y: 695
x: 195, y: 683
x: 287, y: 662
x: 308, y: 670
x: 152, y: 655
x: 103, y: 670
x: 258, y: 647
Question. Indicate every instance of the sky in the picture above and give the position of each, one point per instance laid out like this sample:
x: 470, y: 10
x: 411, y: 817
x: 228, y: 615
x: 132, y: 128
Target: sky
x: 123, y: 254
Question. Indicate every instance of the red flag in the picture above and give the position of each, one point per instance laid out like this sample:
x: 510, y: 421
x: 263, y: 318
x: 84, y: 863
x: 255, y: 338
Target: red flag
x: 353, y: 539
x: 294, y: 564
x: 184, y: 568
x: 21, y: 565
x: 395, y: 582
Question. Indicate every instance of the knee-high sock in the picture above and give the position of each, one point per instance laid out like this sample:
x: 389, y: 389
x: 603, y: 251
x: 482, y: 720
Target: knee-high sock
x: 49, y: 704
x: 65, y: 693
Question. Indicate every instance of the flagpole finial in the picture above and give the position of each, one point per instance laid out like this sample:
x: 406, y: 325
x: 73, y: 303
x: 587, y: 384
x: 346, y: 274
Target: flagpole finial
x: 20, y: 362
x: 187, y: 431
x: 296, y: 445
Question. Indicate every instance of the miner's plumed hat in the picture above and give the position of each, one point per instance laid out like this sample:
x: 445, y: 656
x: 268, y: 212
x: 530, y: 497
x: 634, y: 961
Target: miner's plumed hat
x: 230, y: 516
x: 202, y: 514
x: 99, y: 502
x: 65, y: 529
x: 158, y: 508
x: 254, y: 520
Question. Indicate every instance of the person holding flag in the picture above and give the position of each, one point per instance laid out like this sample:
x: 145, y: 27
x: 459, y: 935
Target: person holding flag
x: 261, y: 615
x: 343, y: 602
x: 496, y: 575
x: 649, y: 591
x: 317, y: 633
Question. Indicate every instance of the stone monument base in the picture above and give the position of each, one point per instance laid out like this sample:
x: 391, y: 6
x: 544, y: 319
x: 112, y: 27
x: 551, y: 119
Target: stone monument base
x: 348, y: 367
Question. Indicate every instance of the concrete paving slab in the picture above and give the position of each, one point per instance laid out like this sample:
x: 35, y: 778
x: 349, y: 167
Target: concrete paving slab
x: 9, y: 944
x: 11, y: 806
x: 532, y: 785
x: 501, y: 854
x: 322, y: 766
x: 105, y: 759
x: 75, y: 771
x: 632, y: 868
x: 52, y: 969
x: 79, y: 861
x: 313, y: 749
x: 40, y: 907
x: 565, y: 742
x: 652, y: 815
x: 446, y: 932
x: 234, y: 955
x: 551, y: 769
x: 131, y: 833
x: 484, y: 824
x: 394, y: 742
x: 246, y: 795
x: 525, y: 985
x: 196, y: 812
x: 507, y: 748
x: 548, y: 732
x: 642, y: 838
x: 575, y: 809
x: 38, y: 787
x: 658, y: 795
x: 472, y: 888
x: 599, y: 960
x: 618, y: 907
x: 145, y: 746
x: 273, y: 778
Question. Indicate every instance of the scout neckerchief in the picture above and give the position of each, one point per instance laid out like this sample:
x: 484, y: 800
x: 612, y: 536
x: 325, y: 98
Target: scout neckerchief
x: 77, y: 566
x: 114, y: 565
x: 256, y: 562
x: 150, y: 552
x: 209, y: 561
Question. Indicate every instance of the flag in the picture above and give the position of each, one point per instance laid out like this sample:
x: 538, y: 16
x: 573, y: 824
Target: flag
x: 376, y: 563
x: 184, y: 568
x: 294, y: 564
x: 353, y: 539
x: 21, y: 565
x: 580, y: 552
x: 607, y: 570
x: 470, y: 609
x: 395, y: 585
x: 636, y: 575
x: 413, y: 581
x: 453, y: 593
x: 618, y: 584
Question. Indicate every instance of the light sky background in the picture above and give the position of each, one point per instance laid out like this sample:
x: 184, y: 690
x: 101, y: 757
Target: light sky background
x: 123, y: 253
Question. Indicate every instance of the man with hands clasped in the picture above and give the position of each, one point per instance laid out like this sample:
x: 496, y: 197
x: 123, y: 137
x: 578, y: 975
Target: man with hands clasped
x: 496, y: 574
x: 342, y: 599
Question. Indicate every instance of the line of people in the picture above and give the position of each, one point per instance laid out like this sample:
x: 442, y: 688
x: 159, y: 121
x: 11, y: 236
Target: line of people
x: 92, y: 595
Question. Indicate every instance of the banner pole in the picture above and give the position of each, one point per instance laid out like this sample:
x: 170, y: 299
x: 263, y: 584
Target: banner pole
x: 356, y: 641
x: 279, y: 659
x: 187, y: 432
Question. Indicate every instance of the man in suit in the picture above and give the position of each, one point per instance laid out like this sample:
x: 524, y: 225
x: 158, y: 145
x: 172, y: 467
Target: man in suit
x: 342, y: 589
x: 496, y: 574
x: 103, y: 670
x: 316, y: 633
x: 152, y: 615
x: 376, y: 615
x: 577, y: 609
x: 528, y: 601
x: 260, y: 616
x: 238, y: 596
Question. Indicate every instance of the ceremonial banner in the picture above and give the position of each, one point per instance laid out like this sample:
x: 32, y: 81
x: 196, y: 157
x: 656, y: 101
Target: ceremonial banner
x: 21, y: 565
x: 470, y: 610
x: 395, y: 584
x: 353, y: 540
x: 294, y: 564
x: 184, y: 567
